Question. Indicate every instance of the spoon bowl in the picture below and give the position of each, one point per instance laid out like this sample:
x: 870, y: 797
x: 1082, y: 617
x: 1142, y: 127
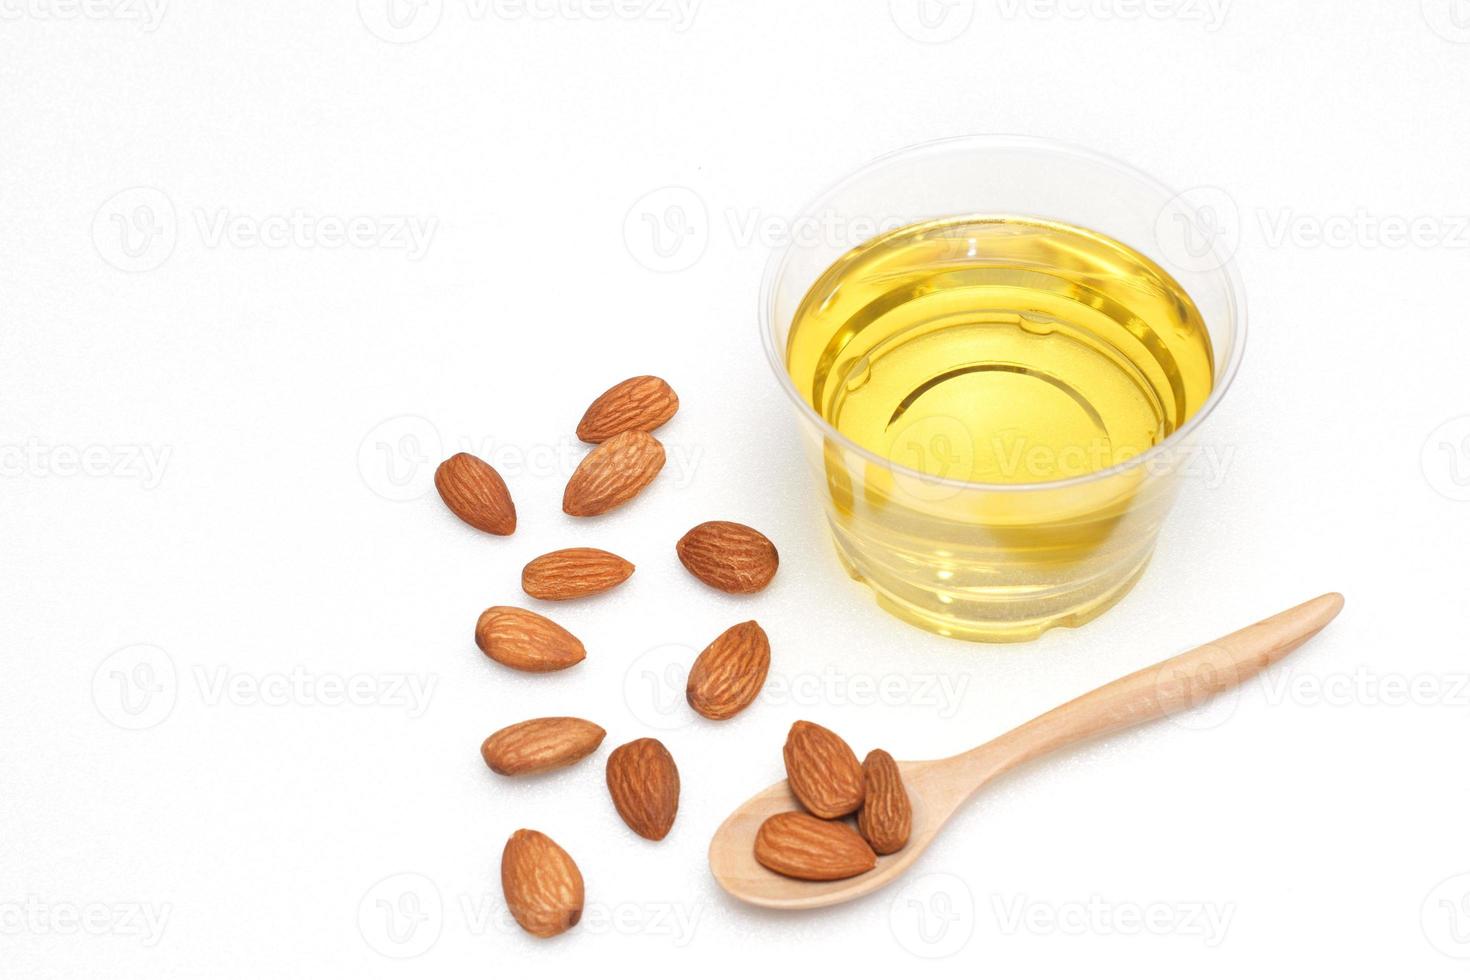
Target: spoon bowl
x: 732, y: 852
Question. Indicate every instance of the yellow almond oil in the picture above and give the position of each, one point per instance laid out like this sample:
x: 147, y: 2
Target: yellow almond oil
x: 1003, y: 351
x: 1000, y: 350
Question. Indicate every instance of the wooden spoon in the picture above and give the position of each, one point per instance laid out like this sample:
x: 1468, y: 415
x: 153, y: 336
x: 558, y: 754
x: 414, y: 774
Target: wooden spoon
x: 938, y: 787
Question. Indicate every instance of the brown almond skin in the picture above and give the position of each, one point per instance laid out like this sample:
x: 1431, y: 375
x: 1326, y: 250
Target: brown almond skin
x: 644, y: 784
x: 573, y: 573
x: 523, y: 640
x: 644, y: 402
x: 613, y: 474
x: 730, y: 673
x: 474, y: 491
x: 886, y: 816
x: 542, y: 884
x: 728, y: 556
x: 540, y: 745
x: 799, y: 845
x: 822, y: 770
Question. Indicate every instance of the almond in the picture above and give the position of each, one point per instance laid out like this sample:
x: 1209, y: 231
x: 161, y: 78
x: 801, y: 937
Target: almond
x: 523, y: 640
x: 613, y: 474
x: 644, y: 402
x: 886, y: 816
x: 823, y: 772
x: 475, y: 492
x: 644, y: 783
x: 572, y: 573
x: 728, y: 556
x: 540, y: 744
x: 730, y: 672
x: 799, y: 845
x: 542, y: 886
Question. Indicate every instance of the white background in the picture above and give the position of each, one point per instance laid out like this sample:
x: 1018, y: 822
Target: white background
x: 218, y: 453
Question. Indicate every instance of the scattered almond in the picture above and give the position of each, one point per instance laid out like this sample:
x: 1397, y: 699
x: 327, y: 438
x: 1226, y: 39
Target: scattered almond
x: 728, y: 556
x: 799, y: 845
x: 730, y: 673
x: 613, y: 474
x: 822, y: 770
x: 572, y: 573
x: 644, y: 402
x: 475, y: 492
x: 541, y: 744
x: 523, y: 640
x: 644, y: 783
x: 886, y: 815
x: 543, y: 888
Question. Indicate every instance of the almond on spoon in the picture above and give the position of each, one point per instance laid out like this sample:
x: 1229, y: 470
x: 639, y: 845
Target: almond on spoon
x: 886, y: 816
x: 823, y: 771
x: 800, y: 845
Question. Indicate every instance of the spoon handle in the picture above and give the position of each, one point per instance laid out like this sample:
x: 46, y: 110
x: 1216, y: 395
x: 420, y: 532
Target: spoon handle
x: 1166, y: 688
